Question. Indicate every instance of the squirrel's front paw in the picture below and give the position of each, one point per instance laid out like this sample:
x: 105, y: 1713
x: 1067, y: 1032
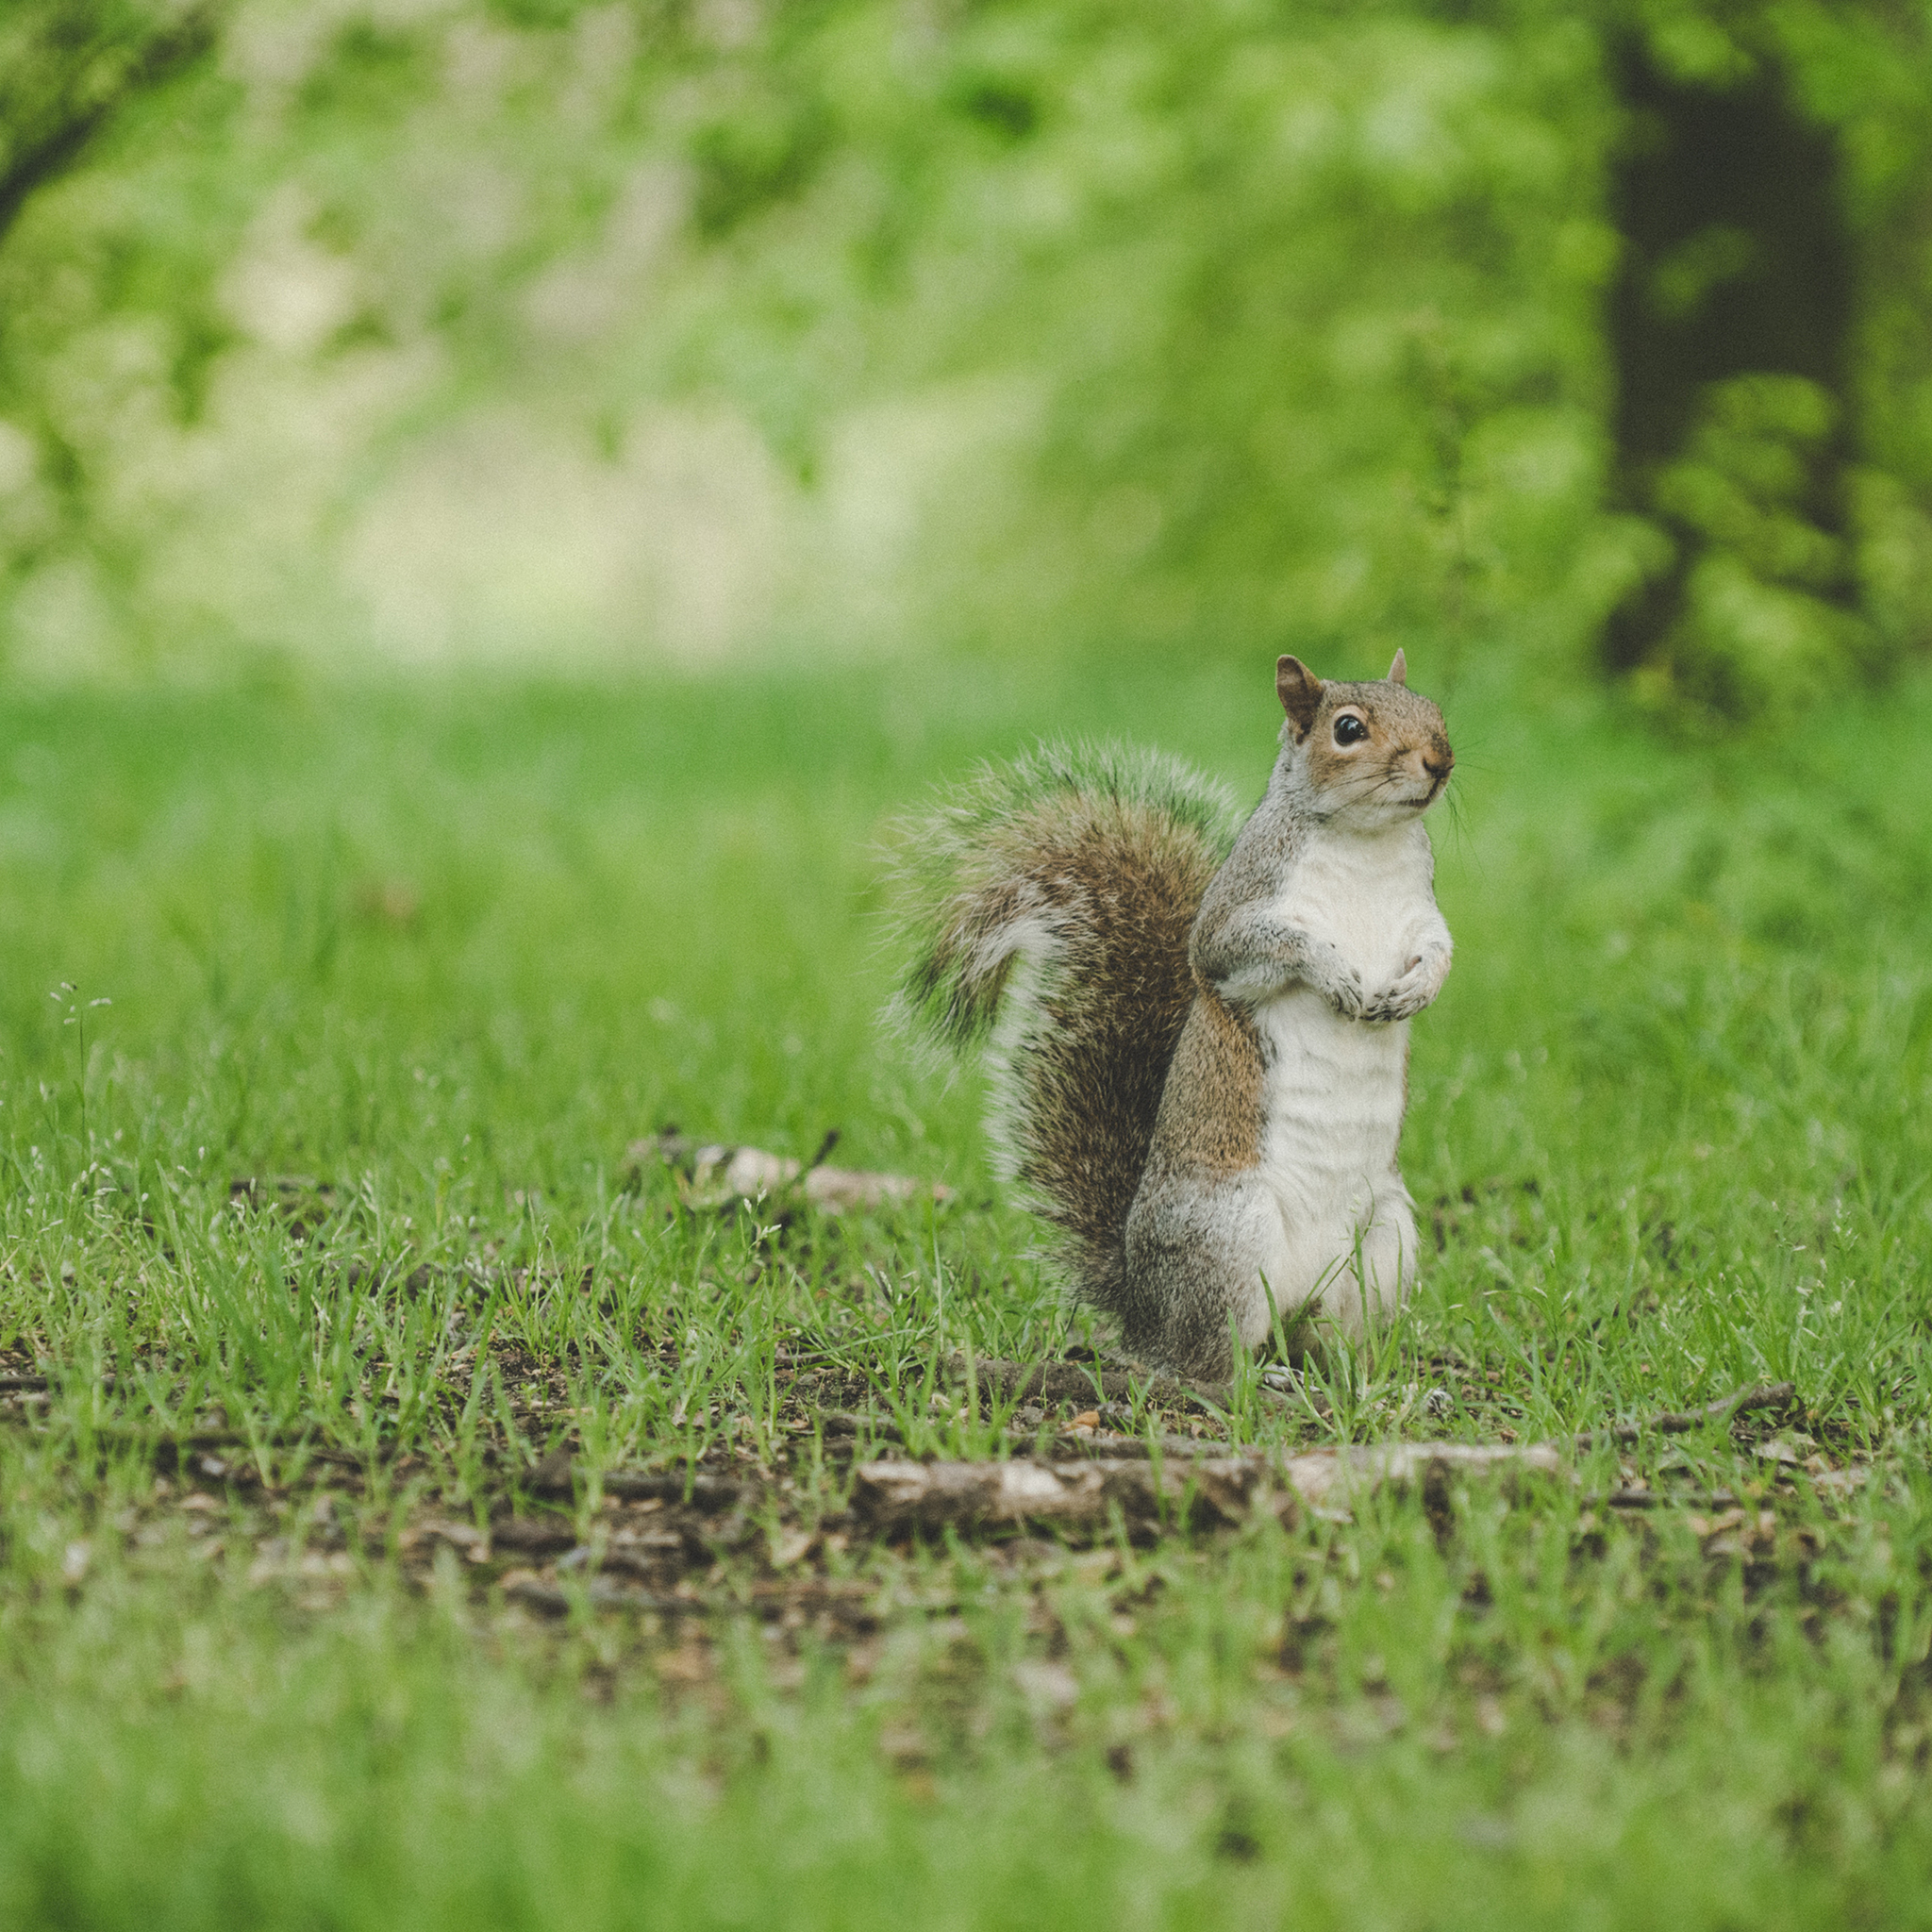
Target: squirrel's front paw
x: 1345, y: 994
x: 1405, y: 997
x: 1393, y: 1002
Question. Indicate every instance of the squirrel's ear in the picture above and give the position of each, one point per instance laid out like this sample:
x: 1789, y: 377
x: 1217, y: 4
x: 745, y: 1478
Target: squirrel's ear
x: 1301, y: 694
x: 1398, y: 672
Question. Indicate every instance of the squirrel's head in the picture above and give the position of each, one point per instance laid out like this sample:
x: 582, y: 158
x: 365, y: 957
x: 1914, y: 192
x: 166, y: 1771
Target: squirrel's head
x: 1369, y: 755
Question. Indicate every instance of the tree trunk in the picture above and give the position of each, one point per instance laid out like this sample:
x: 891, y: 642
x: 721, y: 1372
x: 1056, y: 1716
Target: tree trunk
x: 1737, y: 264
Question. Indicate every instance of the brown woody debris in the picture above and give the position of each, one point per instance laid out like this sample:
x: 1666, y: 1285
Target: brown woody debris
x: 720, y: 1177
x: 928, y: 1495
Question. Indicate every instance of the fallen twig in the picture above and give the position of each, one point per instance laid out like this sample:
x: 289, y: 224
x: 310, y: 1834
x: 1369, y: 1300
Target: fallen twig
x: 1661, y: 1499
x: 1138, y: 1448
x: 1210, y: 1489
x: 837, y: 1421
x: 708, y: 1492
x: 929, y: 1495
x: 1323, y: 1476
x: 557, y: 1476
x: 1197, y: 1492
x: 1216, y: 1488
x: 1680, y: 1423
x: 600, y: 1592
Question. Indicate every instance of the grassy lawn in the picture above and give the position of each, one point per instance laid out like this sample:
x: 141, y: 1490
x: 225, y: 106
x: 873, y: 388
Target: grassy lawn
x: 321, y: 1239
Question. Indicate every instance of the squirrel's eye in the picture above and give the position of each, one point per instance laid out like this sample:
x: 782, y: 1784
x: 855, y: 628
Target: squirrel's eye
x: 1349, y: 730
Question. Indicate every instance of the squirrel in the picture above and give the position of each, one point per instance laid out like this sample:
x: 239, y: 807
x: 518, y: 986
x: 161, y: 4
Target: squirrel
x: 1197, y: 1027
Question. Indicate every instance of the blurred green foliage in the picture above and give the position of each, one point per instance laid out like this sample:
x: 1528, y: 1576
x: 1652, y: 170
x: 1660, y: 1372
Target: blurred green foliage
x: 65, y: 67
x: 524, y: 325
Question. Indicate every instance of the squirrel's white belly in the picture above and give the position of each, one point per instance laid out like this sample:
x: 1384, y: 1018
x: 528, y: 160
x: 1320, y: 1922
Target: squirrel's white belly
x: 1334, y: 1088
x: 1367, y: 897
x: 1332, y: 1105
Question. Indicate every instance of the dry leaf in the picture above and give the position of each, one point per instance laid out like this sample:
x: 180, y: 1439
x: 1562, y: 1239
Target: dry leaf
x: 718, y: 1176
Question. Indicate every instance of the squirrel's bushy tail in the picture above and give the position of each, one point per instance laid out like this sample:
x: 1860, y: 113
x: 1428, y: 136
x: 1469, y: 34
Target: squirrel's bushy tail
x: 1048, y: 904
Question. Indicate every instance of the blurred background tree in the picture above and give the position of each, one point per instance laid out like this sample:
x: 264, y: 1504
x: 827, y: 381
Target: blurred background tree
x: 412, y: 329
x: 69, y: 69
x: 66, y: 66
x: 1770, y: 358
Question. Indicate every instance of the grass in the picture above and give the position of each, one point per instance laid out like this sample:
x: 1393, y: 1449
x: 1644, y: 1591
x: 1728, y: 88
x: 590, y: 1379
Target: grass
x: 423, y: 964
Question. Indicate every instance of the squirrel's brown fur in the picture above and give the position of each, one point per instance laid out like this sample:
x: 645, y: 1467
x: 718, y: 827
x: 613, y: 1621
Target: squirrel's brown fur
x: 1199, y: 1031
x: 1079, y: 871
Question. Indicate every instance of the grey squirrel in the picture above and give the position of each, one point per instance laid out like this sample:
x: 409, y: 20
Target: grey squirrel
x: 1197, y: 1027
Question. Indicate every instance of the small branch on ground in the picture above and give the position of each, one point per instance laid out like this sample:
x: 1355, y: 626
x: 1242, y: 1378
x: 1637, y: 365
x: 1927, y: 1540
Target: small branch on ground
x: 931, y: 1495
x: 1680, y: 1423
x: 1196, y: 1492
x: 555, y: 1475
x: 840, y: 1423
x: 1323, y: 1476
x: 1203, y: 1489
